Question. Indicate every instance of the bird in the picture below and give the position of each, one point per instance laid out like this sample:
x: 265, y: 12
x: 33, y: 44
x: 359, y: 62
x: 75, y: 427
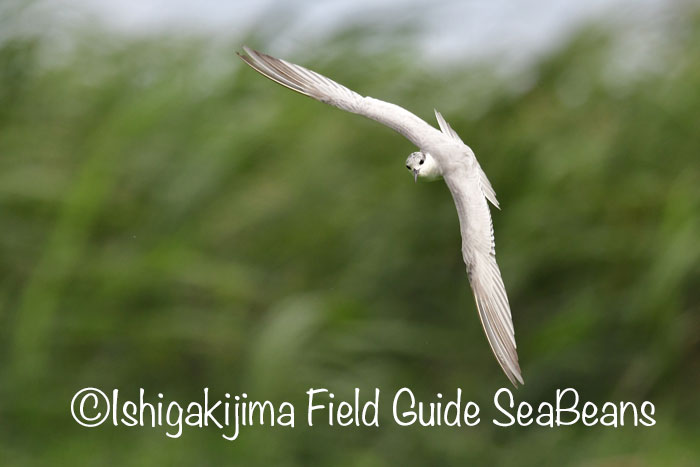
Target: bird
x: 441, y: 154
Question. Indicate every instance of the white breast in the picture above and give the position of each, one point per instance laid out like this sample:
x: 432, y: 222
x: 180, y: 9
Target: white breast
x: 430, y: 169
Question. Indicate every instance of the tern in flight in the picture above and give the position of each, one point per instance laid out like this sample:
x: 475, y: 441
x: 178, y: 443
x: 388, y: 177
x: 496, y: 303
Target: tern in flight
x: 441, y: 154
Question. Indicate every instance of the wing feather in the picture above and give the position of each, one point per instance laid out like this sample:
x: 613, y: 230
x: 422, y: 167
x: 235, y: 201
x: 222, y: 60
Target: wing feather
x: 317, y: 86
x: 479, y: 253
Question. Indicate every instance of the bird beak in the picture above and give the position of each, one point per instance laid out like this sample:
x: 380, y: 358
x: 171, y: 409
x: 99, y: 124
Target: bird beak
x: 415, y: 175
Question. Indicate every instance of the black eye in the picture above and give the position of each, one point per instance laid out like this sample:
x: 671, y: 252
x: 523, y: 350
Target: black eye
x: 421, y: 162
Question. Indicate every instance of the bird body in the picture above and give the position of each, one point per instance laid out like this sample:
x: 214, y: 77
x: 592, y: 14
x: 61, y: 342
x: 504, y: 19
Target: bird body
x: 442, y: 153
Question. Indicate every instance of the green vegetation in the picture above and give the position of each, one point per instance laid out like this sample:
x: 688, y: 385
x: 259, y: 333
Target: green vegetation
x: 172, y: 221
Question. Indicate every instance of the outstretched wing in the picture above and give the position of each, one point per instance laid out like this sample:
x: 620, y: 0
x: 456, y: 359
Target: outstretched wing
x: 312, y: 84
x: 479, y: 253
x: 486, y: 187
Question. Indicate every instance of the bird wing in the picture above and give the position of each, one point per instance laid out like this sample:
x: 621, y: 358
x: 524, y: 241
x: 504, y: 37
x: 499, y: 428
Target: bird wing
x: 486, y: 187
x: 312, y: 84
x: 479, y: 253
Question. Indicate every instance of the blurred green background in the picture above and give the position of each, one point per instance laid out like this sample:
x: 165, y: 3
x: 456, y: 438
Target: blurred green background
x: 173, y: 221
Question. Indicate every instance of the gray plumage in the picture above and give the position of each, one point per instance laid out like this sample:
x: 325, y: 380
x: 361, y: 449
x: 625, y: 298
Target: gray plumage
x: 442, y: 153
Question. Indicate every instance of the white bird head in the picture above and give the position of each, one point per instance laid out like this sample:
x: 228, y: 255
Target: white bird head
x: 422, y: 165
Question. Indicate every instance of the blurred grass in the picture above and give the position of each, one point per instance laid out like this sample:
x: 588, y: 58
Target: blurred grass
x: 171, y: 224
